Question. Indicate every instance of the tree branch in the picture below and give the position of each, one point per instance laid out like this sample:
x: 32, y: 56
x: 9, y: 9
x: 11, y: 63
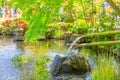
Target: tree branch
x: 115, y: 8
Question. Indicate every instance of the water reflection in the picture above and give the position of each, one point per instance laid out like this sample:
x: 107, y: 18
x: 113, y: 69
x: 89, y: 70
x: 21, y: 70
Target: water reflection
x: 7, y: 51
x: 9, y: 48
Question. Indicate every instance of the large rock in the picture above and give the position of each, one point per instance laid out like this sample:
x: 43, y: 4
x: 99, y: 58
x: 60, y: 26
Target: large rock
x: 78, y: 64
x: 75, y: 64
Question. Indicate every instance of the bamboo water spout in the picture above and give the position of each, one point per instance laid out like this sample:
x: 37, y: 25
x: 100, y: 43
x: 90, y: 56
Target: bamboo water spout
x: 97, y: 43
x: 103, y: 33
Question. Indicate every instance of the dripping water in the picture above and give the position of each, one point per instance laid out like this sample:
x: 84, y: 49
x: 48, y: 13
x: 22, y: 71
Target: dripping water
x: 71, y: 48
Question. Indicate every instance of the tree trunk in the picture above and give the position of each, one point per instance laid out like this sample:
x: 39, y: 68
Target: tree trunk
x: 115, y: 8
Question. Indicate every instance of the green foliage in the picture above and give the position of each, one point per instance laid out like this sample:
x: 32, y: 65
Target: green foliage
x: 105, y: 69
x: 1, y: 2
x: 107, y: 21
x: 59, y: 34
x: 19, y: 60
x: 40, y: 13
x: 39, y: 18
x: 80, y: 26
x: 40, y: 72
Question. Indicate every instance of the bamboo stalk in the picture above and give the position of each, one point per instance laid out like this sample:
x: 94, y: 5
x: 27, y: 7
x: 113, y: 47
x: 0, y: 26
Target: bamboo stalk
x: 103, y: 33
x: 100, y: 33
x: 98, y: 43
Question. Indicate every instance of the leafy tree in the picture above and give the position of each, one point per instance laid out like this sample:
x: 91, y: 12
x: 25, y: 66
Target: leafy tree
x: 40, y: 13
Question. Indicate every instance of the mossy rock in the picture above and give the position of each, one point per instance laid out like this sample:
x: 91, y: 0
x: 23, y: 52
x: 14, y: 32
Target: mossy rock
x: 72, y: 65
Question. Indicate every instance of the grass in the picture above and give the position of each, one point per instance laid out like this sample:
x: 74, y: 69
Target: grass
x: 106, y: 69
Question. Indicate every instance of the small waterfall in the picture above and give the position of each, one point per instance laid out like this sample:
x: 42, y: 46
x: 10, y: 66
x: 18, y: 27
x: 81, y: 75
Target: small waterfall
x: 60, y: 64
x: 73, y: 44
x: 71, y: 50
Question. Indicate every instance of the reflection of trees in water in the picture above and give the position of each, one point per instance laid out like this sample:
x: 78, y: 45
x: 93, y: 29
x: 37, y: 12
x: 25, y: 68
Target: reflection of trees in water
x: 5, y: 40
x: 42, y: 47
x: 26, y: 61
x: 34, y: 51
x: 21, y: 55
x: 21, y: 46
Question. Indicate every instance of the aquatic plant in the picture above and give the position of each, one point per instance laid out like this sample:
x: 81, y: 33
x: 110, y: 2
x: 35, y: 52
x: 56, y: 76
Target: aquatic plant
x: 19, y: 60
x: 40, y: 71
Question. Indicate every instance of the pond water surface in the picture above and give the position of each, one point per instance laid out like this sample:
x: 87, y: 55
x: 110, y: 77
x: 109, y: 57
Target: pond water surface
x: 9, y: 49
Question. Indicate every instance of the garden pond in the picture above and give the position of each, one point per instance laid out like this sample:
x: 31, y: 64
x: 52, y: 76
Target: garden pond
x: 17, y: 59
x: 22, y: 61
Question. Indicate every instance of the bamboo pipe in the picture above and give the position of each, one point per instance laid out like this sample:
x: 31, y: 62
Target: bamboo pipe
x: 102, y: 33
x: 98, y: 43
